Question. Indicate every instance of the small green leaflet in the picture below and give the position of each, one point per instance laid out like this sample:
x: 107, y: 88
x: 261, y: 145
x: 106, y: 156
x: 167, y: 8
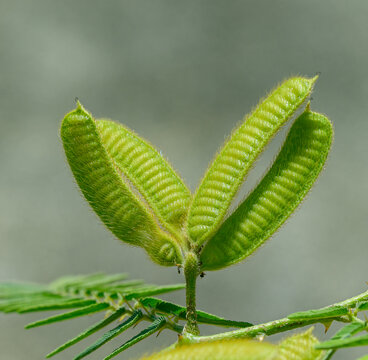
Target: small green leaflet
x: 70, y: 315
x: 136, y: 317
x: 81, y: 281
x: 345, y: 332
x: 152, y: 290
x: 363, y: 306
x: 25, y: 307
x: 328, y: 312
x: 91, y: 330
x: 342, y: 343
x: 180, y: 312
x: 13, y: 290
x: 154, y: 327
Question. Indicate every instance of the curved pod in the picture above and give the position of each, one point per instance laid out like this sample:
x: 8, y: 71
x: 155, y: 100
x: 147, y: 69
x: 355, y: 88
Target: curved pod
x: 229, y: 168
x: 109, y: 196
x: 278, y: 194
x: 219, y: 350
x: 147, y: 170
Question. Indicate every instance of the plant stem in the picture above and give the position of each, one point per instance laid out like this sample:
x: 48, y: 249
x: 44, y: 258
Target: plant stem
x: 277, y: 326
x: 191, y: 273
x: 270, y: 328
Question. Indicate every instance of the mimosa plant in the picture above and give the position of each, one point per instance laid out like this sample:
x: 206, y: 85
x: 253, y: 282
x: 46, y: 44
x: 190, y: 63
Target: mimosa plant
x: 143, y: 202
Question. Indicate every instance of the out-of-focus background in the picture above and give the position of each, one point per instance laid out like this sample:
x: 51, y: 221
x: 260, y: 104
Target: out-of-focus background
x: 182, y: 74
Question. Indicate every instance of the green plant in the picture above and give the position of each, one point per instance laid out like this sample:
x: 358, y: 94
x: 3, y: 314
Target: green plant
x: 143, y: 202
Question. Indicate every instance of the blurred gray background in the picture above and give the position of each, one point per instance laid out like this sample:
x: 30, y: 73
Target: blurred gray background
x: 182, y: 74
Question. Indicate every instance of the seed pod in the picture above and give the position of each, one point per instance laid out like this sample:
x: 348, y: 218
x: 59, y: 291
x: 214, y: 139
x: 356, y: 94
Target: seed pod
x: 148, y: 171
x: 108, y: 193
x: 219, y: 350
x: 299, y: 347
x: 278, y: 194
x: 229, y: 168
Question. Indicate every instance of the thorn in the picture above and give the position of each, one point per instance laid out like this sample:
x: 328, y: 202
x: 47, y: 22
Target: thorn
x: 160, y: 331
x: 327, y: 325
x: 135, y: 324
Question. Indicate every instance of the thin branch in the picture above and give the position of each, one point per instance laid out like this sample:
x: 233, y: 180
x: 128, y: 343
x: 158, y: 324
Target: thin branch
x: 277, y: 326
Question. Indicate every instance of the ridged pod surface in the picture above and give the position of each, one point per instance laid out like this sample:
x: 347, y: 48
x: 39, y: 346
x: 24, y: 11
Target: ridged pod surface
x: 293, y: 173
x: 229, y: 168
x: 147, y: 170
x: 110, y: 197
x: 220, y: 350
x: 296, y: 347
x: 299, y: 347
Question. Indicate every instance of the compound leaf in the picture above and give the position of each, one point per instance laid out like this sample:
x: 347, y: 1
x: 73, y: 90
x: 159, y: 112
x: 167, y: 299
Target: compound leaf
x: 87, y: 294
x: 228, y: 170
x: 278, y: 194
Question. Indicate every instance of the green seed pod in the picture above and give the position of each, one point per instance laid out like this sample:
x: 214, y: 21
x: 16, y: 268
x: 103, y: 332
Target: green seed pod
x: 219, y: 350
x: 299, y: 347
x: 149, y: 172
x: 278, y: 194
x: 228, y: 170
x: 106, y: 190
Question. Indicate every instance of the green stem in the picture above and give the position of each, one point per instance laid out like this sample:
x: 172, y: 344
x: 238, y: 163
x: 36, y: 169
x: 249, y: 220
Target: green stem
x: 270, y: 328
x: 191, y: 273
x: 276, y: 326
